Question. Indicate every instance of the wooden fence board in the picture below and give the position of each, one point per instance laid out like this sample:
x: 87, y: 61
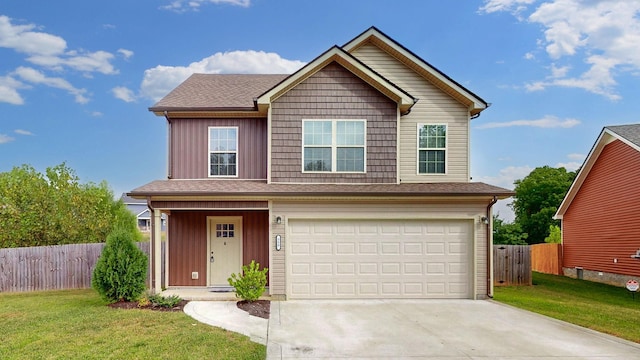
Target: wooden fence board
x: 547, y: 258
x: 511, y: 265
x: 52, y: 267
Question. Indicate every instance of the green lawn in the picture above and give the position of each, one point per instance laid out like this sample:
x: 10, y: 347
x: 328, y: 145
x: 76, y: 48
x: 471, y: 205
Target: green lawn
x: 76, y: 324
x: 605, y: 308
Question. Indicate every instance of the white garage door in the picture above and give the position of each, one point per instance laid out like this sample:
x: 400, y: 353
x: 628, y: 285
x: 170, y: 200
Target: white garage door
x: 329, y: 259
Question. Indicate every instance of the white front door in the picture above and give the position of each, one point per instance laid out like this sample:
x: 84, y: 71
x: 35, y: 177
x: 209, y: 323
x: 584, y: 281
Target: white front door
x: 225, y: 249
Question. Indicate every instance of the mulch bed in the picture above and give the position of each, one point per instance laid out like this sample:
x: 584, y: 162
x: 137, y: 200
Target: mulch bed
x: 259, y: 308
x: 135, y: 305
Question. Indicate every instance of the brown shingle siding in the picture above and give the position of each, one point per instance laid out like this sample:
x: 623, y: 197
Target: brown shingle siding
x: 333, y: 93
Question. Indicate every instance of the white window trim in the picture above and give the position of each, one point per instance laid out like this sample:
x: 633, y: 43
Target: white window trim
x: 334, y: 147
x: 446, y: 149
x: 209, y: 152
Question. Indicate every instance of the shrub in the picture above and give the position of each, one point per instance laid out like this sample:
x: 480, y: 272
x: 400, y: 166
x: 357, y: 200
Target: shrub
x: 121, y: 269
x: 251, y: 285
x: 158, y: 300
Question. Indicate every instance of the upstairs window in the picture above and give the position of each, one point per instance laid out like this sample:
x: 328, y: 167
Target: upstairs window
x: 334, y: 146
x: 432, y: 149
x: 223, y: 151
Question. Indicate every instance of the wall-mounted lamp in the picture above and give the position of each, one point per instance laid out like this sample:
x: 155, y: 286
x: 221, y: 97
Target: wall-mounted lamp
x: 278, y: 242
x: 485, y: 220
x: 278, y: 220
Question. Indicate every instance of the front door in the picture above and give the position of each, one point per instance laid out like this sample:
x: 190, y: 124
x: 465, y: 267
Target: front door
x: 225, y: 249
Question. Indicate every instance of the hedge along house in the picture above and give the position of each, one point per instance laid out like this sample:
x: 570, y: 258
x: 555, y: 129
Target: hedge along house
x: 348, y: 179
x: 601, y: 212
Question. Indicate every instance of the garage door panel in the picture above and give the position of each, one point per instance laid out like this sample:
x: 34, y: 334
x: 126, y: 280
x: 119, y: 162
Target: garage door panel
x: 378, y: 259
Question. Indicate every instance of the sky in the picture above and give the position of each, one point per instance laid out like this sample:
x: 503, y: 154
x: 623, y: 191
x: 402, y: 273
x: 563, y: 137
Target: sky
x: 77, y: 77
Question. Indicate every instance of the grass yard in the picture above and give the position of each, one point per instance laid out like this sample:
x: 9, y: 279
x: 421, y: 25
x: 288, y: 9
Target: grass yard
x: 605, y: 308
x: 76, y: 324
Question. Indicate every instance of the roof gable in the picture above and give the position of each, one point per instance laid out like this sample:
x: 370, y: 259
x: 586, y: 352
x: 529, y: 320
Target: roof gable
x: 335, y: 54
x: 628, y: 134
x: 429, y: 72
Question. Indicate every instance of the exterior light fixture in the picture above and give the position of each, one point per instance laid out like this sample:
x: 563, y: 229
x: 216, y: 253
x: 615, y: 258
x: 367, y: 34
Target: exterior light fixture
x: 278, y: 220
x: 485, y: 220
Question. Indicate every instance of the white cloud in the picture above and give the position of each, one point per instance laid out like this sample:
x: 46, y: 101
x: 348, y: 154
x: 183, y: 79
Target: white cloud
x: 5, y: 139
x: 507, y: 176
x: 158, y: 81
x: 604, y: 34
x: 37, y: 77
x: 96, y: 114
x: 575, y: 156
x: 194, y: 5
x: 124, y: 94
x: 529, y: 56
x: 23, y: 132
x: 23, y: 40
x: 9, y: 90
x: 125, y: 53
x: 546, y: 122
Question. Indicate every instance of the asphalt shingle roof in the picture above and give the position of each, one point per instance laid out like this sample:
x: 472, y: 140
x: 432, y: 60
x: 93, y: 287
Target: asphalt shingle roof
x: 257, y: 188
x: 218, y: 91
x: 629, y: 132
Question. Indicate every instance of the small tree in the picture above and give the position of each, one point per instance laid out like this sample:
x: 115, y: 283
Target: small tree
x: 121, y: 270
x: 555, y: 235
x: 251, y: 285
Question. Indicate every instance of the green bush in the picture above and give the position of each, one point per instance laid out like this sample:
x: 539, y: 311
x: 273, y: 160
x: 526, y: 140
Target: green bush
x: 251, y: 285
x: 121, y: 269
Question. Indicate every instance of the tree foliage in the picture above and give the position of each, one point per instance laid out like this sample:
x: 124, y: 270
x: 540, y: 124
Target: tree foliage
x: 55, y: 208
x: 121, y: 269
x: 507, y: 233
x: 251, y: 284
x: 555, y: 235
x: 537, y: 198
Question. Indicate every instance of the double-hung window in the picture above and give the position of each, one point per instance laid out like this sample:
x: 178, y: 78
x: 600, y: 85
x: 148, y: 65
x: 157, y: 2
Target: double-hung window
x: 432, y: 149
x: 223, y: 151
x: 334, y: 145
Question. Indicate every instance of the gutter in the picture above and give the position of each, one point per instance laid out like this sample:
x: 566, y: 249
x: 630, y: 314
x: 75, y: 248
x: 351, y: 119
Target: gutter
x: 490, y: 247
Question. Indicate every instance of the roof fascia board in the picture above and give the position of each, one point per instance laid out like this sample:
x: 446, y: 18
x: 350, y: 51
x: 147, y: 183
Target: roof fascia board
x: 606, y: 137
x: 478, y: 103
x: 404, y: 100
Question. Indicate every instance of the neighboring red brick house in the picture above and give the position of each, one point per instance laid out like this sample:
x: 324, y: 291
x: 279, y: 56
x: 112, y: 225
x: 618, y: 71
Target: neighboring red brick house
x: 335, y: 177
x: 601, y: 212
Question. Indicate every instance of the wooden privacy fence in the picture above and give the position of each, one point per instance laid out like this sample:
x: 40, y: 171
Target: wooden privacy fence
x: 51, y: 267
x: 547, y: 258
x: 511, y: 265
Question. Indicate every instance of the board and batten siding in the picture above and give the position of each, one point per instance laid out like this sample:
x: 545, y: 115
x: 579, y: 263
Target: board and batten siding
x: 187, y: 238
x: 371, y: 210
x: 189, y: 146
x: 333, y: 93
x: 603, y: 221
x: 433, y: 107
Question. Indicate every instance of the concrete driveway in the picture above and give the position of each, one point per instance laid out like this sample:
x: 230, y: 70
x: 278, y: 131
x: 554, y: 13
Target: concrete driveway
x: 430, y: 329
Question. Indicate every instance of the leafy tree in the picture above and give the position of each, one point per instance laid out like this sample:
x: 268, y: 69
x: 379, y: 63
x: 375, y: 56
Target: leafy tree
x: 121, y: 269
x: 537, y: 198
x: 507, y: 233
x: 555, y: 236
x: 55, y: 208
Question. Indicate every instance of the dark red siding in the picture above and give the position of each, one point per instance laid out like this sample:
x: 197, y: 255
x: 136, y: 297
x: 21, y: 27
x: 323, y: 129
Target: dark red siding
x: 333, y: 93
x: 603, y: 221
x: 188, y: 243
x: 190, y: 149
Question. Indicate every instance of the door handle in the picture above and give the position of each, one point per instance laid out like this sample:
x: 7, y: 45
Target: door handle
x: 211, y: 259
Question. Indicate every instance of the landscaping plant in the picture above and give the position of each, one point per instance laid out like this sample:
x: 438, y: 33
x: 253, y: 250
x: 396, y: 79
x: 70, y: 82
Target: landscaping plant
x: 121, y: 269
x: 251, y: 284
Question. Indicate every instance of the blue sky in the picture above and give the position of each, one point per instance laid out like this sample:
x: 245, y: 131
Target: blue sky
x: 77, y: 78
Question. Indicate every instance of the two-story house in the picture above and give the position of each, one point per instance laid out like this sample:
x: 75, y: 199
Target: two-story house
x: 348, y: 179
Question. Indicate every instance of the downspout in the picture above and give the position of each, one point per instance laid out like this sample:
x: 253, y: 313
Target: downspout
x: 169, y: 152
x: 151, y: 257
x: 490, y: 247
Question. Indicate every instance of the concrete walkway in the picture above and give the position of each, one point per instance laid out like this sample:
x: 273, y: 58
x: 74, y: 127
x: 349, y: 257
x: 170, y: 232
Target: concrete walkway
x: 412, y: 329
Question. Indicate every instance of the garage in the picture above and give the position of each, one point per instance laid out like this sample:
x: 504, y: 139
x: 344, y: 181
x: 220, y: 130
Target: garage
x: 379, y: 259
